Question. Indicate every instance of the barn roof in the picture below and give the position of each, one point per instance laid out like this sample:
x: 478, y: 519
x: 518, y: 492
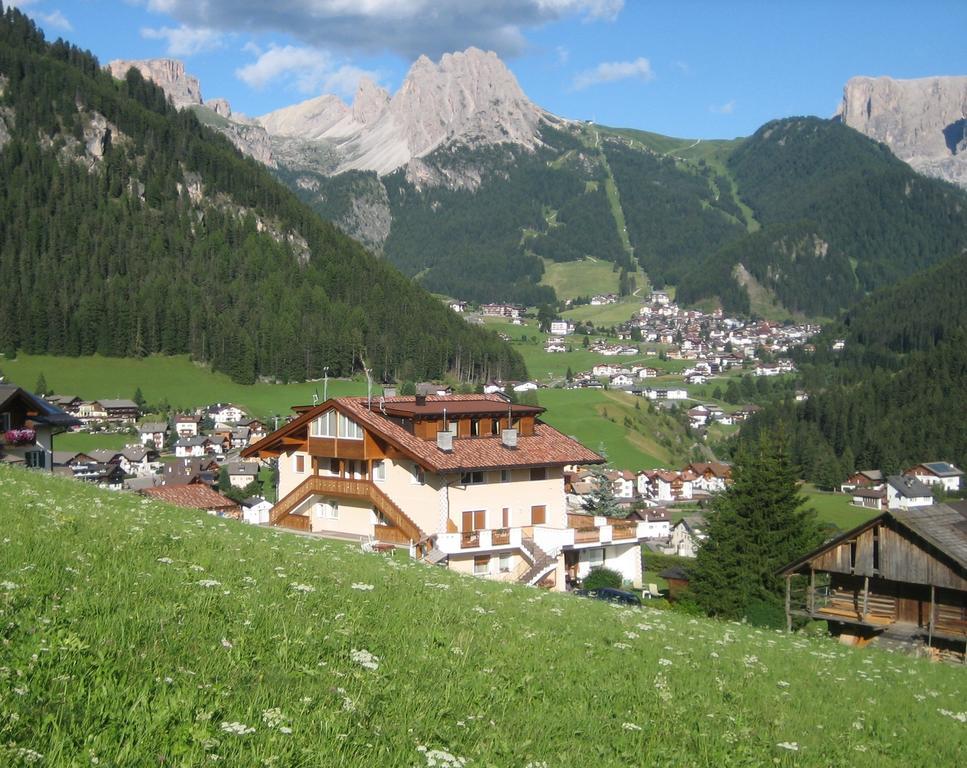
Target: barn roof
x: 940, y: 525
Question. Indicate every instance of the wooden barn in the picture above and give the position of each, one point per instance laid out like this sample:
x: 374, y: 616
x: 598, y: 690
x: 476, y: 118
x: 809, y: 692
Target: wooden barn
x: 900, y: 578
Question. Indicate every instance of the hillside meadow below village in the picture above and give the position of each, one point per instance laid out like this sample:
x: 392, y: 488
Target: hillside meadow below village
x: 136, y: 633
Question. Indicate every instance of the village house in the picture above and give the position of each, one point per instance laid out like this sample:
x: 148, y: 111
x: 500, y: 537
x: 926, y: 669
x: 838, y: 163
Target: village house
x: 187, y: 424
x: 869, y: 498
x: 470, y: 481
x: 67, y: 403
x: 153, y: 432
x: 864, y: 478
x: 225, y: 412
x: 686, y: 536
x: 907, y: 492
x: 195, y: 496
x: 199, y: 445
x: 561, y: 328
x: 27, y: 427
x: 937, y: 473
x: 711, y: 477
x: 104, y: 475
x: 242, y: 473
x: 900, y: 578
x: 187, y: 471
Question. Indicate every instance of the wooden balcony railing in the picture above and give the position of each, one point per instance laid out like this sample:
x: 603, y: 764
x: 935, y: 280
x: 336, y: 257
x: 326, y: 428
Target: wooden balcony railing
x: 340, y: 487
x: 500, y: 537
x: 390, y: 535
x: 624, y: 531
x: 586, y: 535
x: 469, y: 539
x: 296, y: 523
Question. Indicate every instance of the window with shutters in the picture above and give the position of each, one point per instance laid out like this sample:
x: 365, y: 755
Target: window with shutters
x: 300, y: 463
x: 474, y: 520
x: 538, y: 515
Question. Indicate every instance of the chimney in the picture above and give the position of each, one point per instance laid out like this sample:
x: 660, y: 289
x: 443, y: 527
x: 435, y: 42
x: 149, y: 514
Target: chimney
x: 421, y: 399
x: 509, y: 438
x: 444, y: 441
x: 389, y: 391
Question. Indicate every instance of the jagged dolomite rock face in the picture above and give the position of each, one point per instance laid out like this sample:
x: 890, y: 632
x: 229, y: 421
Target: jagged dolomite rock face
x: 923, y: 121
x: 471, y: 97
x: 183, y: 89
x: 220, y: 107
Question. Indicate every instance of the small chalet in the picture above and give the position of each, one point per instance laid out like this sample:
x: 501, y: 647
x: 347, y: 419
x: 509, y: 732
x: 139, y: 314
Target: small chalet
x: 907, y: 492
x: 686, y: 536
x: 864, y: 478
x: 242, y: 473
x: 256, y: 510
x: 194, y: 470
x: 869, y: 498
x: 187, y: 425
x: 27, y: 427
x: 198, y: 445
x: 937, y: 473
x: 155, y: 432
x: 901, y: 576
x: 225, y: 412
x: 711, y: 477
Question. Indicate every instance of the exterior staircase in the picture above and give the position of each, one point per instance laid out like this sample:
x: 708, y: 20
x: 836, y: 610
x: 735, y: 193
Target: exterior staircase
x: 542, y: 562
x: 282, y: 512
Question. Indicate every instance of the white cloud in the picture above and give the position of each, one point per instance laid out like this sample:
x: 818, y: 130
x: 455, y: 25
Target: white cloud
x: 309, y: 70
x: 723, y: 109
x: 185, y: 40
x: 54, y: 19
x: 406, y: 27
x: 610, y: 71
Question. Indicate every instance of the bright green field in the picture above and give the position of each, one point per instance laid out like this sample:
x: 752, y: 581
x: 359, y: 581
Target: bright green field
x: 247, y: 647
x: 87, y: 441
x: 835, y: 508
x: 597, y: 419
x: 606, y: 314
x: 571, y: 279
x: 181, y: 381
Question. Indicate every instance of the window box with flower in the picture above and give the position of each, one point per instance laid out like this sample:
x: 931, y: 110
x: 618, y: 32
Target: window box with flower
x: 20, y: 437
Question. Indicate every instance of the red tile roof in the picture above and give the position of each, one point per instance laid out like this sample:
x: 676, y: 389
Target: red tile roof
x: 546, y: 447
x: 194, y: 496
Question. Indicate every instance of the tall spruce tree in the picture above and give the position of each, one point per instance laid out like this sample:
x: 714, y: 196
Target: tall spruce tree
x: 754, y: 527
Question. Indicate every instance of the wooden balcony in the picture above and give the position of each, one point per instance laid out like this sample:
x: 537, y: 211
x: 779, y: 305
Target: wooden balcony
x: 296, y: 523
x: 387, y: 534
x: 317, y: 485
x: 500, y: 537
x: 624, y: 531
x: 469, y: 539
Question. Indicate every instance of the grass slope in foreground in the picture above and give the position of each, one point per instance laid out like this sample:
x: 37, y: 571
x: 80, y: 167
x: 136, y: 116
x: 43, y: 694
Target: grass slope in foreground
x: 140, y: 634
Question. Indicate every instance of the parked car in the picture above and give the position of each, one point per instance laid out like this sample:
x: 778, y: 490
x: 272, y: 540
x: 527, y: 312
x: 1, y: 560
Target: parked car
x: 611, y: 595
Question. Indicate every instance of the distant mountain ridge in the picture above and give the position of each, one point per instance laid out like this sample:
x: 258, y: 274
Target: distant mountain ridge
x: 924, y: 121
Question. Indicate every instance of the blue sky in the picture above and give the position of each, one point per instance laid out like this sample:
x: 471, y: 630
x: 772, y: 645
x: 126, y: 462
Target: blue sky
x: 695, y: 69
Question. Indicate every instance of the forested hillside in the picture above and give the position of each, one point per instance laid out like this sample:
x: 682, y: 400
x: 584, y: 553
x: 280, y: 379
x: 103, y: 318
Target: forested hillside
x: 841, y: 216
x: 895, y: 395
x: 130, y: 229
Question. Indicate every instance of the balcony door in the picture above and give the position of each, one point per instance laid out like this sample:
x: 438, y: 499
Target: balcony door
x: 538, y: 515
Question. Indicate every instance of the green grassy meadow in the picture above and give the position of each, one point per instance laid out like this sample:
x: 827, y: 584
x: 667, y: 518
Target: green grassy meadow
x: 183, y: 383
x: 835, y: 508
x: 138, y: 634
x: 571, y: 279
x: 89, y: 441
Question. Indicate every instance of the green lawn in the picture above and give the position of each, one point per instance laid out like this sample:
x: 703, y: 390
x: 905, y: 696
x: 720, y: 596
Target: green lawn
x: 571, y: 279
x: 88, y: 441
x: 835, y: 508
x: 598, y: 419
x: 138, y: 634
x: 606, y: 314
x: 183, y: 383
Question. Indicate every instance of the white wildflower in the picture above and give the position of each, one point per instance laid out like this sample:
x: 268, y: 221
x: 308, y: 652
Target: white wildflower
x: 28, y: 756
x: 165, y: 560
x: 365, y: 659
x: 631, y: 727
x: 208, y: 583
x: 9, y: 586
x: 273, y: 717
x: 782, y: 684
x: 792, y: 746
x: 226, y: 643
x: 302, y: 587
x: 665, y: 662
x: 959, y: 716
x: 362, y: 587
x: 239, y: 729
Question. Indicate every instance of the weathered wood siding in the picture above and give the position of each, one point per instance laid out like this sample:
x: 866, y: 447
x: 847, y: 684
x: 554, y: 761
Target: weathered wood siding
x: 900, y: 558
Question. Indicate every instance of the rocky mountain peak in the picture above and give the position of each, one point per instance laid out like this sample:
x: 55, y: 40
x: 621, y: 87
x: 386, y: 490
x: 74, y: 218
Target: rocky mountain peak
x: 183, y: 89
x: 924, y: 121
x: 370, y: 102
x: 469, y: 96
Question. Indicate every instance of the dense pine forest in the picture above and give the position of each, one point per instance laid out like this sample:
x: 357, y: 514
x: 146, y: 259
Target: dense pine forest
x: 841, y: 216
x: 895, y: 394
x: 127, y: 228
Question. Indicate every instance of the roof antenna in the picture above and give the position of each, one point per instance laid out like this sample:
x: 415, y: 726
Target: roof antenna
x: 382, y: 405
x: 445, y: 429
x: 369, y: 386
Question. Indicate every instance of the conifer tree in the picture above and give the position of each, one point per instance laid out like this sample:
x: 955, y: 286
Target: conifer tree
x: 754, y: 527
x: 40, y: 388
x: 601, y: 500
